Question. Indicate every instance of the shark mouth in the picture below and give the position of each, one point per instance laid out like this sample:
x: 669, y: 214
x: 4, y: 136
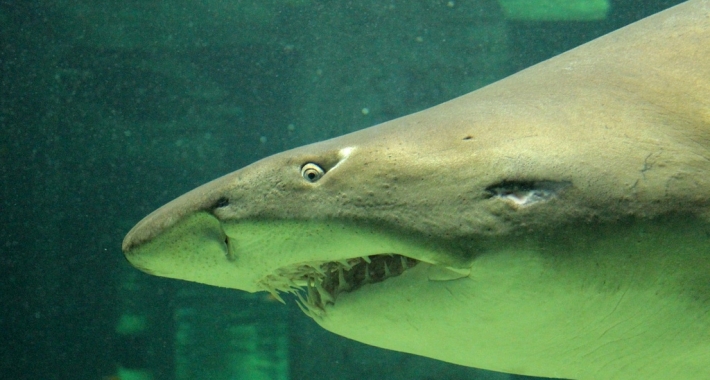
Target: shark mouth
x: 318, y: 284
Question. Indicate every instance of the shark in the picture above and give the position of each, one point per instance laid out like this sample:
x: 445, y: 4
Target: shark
x: 555, y: 223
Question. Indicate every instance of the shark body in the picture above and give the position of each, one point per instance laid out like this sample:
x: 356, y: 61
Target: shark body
x: 555, y: 223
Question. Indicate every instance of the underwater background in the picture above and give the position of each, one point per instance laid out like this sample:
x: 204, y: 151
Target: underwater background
x: 109, y: 109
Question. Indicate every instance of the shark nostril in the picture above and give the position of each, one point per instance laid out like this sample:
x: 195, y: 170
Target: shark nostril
x: 221, y: 202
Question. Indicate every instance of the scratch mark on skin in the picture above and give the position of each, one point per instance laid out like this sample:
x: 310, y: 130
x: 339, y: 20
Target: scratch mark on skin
x: 612, y: 313
x: 648, y: 165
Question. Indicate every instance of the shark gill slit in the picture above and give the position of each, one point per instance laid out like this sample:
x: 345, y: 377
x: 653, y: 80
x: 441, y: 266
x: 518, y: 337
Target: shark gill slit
x: 526, y: 192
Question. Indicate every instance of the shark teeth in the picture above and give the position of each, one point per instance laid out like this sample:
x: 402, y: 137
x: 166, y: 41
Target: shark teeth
x: 317, y: 285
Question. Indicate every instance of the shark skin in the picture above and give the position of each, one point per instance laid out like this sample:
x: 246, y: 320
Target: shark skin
x: 555, y: 223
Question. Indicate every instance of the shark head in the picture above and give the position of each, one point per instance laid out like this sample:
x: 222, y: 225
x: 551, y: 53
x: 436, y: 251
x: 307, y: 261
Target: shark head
x: 337, y: 216
x: 554, y: 223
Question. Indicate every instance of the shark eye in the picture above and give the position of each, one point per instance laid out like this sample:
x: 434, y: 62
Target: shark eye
x: 312, y: 172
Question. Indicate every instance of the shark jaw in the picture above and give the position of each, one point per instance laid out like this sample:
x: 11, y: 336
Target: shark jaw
x: 318, y: 261
x: 323, y: 282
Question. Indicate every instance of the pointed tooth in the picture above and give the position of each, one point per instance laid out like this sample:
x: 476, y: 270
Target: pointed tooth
x: 345, y: 264
x: 367, y: 259
x: 280, y: 287
x: 312, y: 292
x: 367, y: 274
x: 319, y: 270
x: 301, y: 302
x: 265, y: 285
x: 342, y: 284
x: 387, y: 270
x: 341, y: 276
x: 277, y: 296
x: 324, y: 294
x: 300, y: 298
x: 404, y: 262
x: 305, y: 309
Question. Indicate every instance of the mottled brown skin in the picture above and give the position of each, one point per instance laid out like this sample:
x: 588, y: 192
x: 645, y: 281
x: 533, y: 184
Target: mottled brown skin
x: 623, y: 122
